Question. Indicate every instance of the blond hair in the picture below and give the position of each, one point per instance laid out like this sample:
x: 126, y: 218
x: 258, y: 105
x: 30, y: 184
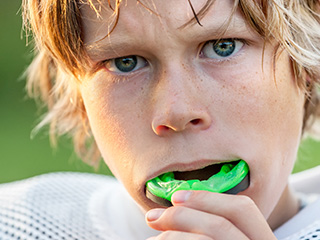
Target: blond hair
x: 60, y: 56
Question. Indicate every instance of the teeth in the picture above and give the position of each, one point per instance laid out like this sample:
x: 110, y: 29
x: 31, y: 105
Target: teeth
x: 201, y: 174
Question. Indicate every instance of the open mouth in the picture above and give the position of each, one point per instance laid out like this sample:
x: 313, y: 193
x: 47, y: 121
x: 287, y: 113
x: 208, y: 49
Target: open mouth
x: 230, y: 177
x: 200, y: 174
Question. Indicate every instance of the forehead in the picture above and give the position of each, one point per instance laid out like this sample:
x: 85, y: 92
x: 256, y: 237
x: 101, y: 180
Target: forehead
x: 159, y: 15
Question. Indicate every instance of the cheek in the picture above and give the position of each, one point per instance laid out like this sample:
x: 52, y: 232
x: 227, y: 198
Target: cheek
x: 115, y: 118
x: 272, y: 123
x: 108, y: 134
x: 253, y: 103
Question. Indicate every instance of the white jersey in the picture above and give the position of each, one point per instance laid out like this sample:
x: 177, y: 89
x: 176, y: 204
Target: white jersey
x: 303, y: 226
x: 81, y: 206
x: 70, y: 206
x: 306, y: 224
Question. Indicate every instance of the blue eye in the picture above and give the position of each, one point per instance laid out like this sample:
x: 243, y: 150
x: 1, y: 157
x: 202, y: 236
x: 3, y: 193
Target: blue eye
x: 125, y: 64
x: 220, y: 49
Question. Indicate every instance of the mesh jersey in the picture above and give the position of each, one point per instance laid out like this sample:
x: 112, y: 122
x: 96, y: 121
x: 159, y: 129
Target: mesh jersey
x: 311, y: 232
x: 70, y: 206
x: 303, y: 226
x: 80, y: 206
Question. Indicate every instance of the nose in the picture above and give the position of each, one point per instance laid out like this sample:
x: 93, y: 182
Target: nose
x: 179, y: 106
x: 178, y: 122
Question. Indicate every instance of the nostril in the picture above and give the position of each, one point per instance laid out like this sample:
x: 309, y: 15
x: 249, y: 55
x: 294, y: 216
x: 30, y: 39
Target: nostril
x: 195, y: 121
x: 162, y: 128
x: 178, y: 123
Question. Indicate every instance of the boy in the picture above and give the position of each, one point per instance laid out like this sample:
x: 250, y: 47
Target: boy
x: 177, y: 86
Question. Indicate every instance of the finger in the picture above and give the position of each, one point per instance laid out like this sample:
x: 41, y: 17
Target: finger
x: 238, y: 209
x: 190, y: 220
x: 174, y: 235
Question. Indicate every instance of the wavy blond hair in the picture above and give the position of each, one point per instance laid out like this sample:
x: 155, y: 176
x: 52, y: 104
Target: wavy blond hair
x: 60, y: 56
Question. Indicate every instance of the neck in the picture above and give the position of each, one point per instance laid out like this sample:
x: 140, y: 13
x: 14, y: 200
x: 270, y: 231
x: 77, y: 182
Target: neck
x: 286, y: 208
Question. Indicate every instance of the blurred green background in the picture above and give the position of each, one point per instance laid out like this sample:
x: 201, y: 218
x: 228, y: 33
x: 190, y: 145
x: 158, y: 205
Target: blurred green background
x: 21, y: 157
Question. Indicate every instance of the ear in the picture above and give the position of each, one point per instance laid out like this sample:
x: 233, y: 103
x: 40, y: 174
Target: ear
x: 308, y: 81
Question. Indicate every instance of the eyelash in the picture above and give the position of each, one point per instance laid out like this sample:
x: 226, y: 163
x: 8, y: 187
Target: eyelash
x: 236, y: 53
x: 112, y: 65
x: 140, y: 62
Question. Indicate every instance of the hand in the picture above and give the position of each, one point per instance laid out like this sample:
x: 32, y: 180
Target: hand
x: 205, y: 215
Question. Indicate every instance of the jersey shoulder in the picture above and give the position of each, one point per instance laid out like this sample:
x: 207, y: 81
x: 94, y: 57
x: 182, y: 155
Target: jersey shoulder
x: 303, y: 226
x: 51, y: 206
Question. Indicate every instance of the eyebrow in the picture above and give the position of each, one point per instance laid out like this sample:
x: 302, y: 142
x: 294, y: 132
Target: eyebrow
x: 108, y: 45
x: 231, y: 25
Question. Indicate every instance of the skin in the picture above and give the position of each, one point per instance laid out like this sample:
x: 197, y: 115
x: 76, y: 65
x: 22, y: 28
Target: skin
x: 183, y: 110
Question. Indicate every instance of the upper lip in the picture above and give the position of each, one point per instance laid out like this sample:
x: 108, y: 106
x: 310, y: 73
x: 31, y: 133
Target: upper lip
x: 183, y: 167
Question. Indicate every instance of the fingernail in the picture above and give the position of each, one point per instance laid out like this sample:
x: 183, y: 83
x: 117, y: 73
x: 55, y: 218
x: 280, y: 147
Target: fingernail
x: 154, y: 214
x: 180, y: 196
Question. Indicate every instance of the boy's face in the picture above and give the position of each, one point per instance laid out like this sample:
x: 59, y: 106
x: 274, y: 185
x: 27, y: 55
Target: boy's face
x: 175, y: 101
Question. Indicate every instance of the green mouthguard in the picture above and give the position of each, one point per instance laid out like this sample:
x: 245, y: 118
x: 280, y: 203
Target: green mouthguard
x: 230, y: 175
